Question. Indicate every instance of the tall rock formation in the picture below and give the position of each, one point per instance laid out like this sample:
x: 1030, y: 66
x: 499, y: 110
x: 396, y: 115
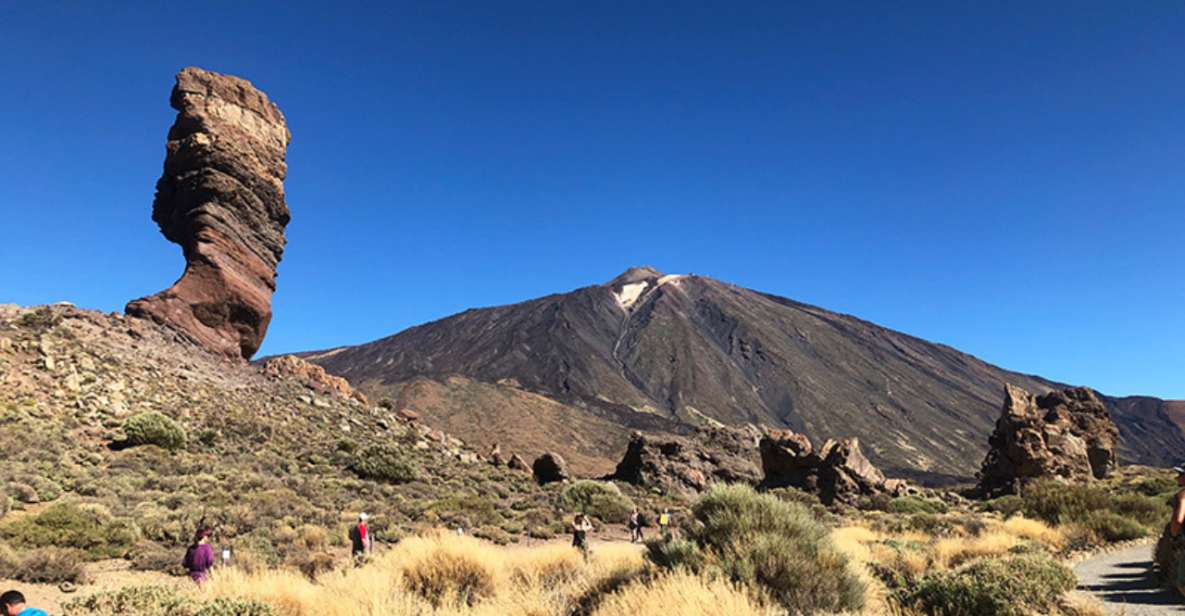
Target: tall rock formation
x: 837, y: 471
x: 1066, y: 435
x: 221, y: 197
x: 669, y: 464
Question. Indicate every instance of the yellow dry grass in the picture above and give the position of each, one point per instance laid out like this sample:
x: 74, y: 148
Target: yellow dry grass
x: 1034, y: 530
x: 685, y: 594
x: 954, y: 551
x: 441, y: 574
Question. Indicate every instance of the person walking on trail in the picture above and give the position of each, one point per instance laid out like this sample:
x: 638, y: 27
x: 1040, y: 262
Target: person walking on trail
x: 12, y: 603
x: 199, y: 557
x: 1170, y: 549
x: 664, y: 523
x: 361, y: 539
x: 580, y: 528
x: 635, y: 526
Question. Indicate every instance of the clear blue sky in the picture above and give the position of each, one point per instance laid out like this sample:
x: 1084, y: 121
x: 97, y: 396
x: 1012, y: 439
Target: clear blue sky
x: 1003, y: 177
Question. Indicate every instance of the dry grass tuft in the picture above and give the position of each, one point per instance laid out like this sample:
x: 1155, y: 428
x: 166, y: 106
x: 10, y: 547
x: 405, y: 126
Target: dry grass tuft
x: 683, y: 593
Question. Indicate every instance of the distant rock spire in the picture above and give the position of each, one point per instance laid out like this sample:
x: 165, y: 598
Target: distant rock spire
x: 221, y: 197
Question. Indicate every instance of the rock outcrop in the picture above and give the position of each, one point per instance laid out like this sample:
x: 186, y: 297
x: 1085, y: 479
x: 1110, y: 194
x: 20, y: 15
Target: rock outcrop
x: 550, y: 468
x: 221, y: 198
x: 313, y: 376
x: 675, y: 464
x: 1066, y: 435
x: 837, y: 472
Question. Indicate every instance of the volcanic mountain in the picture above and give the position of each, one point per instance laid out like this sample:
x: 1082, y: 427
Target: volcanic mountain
x: 576, y: 372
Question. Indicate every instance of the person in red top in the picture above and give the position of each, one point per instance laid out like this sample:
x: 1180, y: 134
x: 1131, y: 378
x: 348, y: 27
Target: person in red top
x: 361, y: 541
x: 199, y: 558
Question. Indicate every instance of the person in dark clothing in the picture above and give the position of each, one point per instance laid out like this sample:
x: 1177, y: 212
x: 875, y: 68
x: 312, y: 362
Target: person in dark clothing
x: 580, y: 527
x: 635, y: 526
x: 199, y: 558
x: 361, y: 539
x: 12, y: 603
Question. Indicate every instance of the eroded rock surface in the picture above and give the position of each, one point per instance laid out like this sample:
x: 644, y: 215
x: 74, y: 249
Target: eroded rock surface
x: 837, y: 471
x: 221, y: 198
x: 1066, y: 435
x: 313, y: 376
x: 675, y: 464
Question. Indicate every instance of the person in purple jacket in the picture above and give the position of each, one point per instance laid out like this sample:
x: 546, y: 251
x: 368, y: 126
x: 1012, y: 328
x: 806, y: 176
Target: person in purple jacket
x: 199, y: 558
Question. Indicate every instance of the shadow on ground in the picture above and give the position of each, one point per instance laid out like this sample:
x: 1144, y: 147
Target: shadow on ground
x: 1135, y: 584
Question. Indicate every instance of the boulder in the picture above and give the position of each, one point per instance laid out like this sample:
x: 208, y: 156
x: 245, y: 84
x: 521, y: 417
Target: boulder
x: 689, y: 465
x: 837, y: 472
x: 312, y: 376
x: 221, y: 198
x: 517, y: 463
x: 549, y: 468
x: 495, y: 456
x: 1066, y: 435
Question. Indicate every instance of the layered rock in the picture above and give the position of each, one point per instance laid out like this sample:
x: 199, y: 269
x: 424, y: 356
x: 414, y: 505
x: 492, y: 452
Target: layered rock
x: 221, y: 198
x: 313, y: 376
x: 1066, y: 435
x: 674, y: 464
x: 837, y: 472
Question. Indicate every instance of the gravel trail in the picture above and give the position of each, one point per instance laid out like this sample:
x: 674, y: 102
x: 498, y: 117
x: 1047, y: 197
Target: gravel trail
x: 1125, y: 583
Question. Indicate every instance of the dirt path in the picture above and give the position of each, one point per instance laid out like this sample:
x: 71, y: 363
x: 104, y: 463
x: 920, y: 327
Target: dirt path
x: 107, y: 575
x: 1125, y: 583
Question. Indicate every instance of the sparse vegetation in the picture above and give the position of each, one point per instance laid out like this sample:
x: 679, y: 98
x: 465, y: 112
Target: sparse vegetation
x: 154, y: 428
x: 599, y: 499
x: 771, y: 545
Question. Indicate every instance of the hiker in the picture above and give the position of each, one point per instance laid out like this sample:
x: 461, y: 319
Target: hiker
x: 664, y: 523
x: 361, y: 539
x: 580, y: 527
x: 635, y: 526
x: 1170, y: 549
x: 199, y: 557
x: 13, y: 604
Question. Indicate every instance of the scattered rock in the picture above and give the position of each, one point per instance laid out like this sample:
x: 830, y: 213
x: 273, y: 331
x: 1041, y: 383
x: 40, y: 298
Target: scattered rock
x: 550, y: 467
x: 313, y: 376
x: 408, y: 415
x: 221, y: 197
x: 838, y: 472
x: 1066, y: 435
x: 671, y: 463
x: 517, y: 463
x: 495, y: 455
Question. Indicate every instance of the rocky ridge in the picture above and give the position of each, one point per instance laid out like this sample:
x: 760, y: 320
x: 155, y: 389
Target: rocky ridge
x: 1066, y: 435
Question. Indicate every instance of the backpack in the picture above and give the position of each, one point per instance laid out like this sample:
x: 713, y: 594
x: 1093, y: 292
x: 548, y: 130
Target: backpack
x: 187, y: 562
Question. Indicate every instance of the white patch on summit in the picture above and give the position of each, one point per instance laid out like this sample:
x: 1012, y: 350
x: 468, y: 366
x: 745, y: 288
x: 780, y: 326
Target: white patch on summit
x: 670, y: 278
x: 630, y: 293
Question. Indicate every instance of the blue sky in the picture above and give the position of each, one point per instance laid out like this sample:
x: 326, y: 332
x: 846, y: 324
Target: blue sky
x: 1006, y: 178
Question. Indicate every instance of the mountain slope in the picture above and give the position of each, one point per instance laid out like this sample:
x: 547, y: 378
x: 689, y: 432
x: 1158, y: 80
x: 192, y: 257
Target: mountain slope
x: 662, y: 353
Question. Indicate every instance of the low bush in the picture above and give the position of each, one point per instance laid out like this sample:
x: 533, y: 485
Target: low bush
x: 775, y: 547
x: 383, y: 463
x: 913, y: 504
x: 598, y: 499
x: 160, y: 601
x: 1011, y: 586
x: 1112, y: 527
x: 1006, y: 506
x: 43, y: 566
x: 675, y: 554
x: 450, y: 572
x: 153, y: 428
x: 70, y: 526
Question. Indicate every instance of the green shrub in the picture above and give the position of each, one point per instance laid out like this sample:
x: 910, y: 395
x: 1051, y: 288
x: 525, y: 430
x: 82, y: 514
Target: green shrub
x: 1011, y: 586
x: 160, y: 601
x: 599, y: 499
x: 776, y: 547
x: 676, y: 553
x: 1158, y: 485
x: 1111, y: 526
x: 1112, y: 515
x: 1006, y: 506
x: 43, y: 566
x: 383, y: 463
x: 67, y: 525
x: 913, y: 504
x: 153, y: 428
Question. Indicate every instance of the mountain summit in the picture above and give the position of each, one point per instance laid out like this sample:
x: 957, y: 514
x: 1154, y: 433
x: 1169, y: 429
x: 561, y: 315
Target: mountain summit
x: 576, y: 372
